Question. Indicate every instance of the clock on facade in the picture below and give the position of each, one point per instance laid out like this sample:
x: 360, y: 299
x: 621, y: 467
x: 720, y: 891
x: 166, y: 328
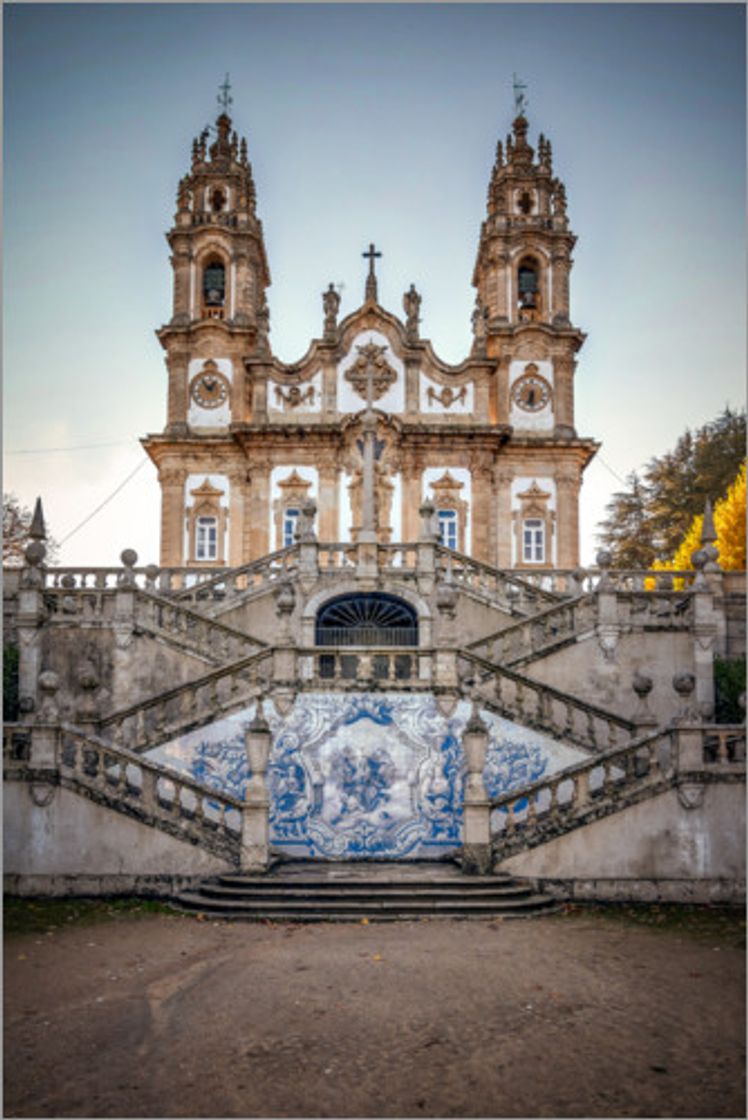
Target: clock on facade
x: 209, y: 389
x: 531, y: 392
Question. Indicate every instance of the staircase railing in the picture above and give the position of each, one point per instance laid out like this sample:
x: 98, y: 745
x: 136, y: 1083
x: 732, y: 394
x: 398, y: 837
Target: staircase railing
x: 152, y: 793
x: 512, y: 592
x: 151, y: 722
x: 214, y: 640
x: 255, y: 576
x: 541, y: 706
x: 535, y: 636
x: 570, y: 798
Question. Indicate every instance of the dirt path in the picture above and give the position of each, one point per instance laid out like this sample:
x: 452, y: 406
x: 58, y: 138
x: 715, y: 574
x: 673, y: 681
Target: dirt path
x: 564, y: 1016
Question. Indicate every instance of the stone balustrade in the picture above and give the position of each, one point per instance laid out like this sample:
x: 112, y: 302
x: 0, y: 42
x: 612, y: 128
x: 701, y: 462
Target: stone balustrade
x: 543, y: 632
x: 143, y: 726
x: 370, y: 667
x: 201, y: 635
x: 256, y: 576
x: 508, y: 590
x: 152, y: 793
x: 620, y: 777
x: 540, y: 706
x: 331, y: 557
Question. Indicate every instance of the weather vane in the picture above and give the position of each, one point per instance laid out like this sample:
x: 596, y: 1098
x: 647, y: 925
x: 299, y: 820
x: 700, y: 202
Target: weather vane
x: 520, y: 101
x: 224, y: 99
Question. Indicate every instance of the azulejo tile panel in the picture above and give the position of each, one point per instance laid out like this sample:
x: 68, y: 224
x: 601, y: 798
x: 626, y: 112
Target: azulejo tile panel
x: 365, y: 775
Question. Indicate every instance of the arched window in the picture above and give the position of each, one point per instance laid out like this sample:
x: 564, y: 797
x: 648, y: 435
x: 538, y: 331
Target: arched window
x: 217, y: 200
x: 214, y: 284
x: 290, y: 526
x: 366, y: 619
x: 447, y: 519
x: 528, y: 285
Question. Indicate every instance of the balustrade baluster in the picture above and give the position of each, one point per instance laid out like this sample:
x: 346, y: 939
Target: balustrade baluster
x: 553, y: 806
x: 581, y: 788
x: 612, y: 734
x: 569, y: 726
x: 532, y: 811
x: 607, y: 777
x: 149, y: 780
x: 510, y: 827
x: 591, y: 729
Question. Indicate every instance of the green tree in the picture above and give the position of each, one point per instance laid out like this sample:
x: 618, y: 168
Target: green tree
x: 649, y: 520
x: 626, y: 531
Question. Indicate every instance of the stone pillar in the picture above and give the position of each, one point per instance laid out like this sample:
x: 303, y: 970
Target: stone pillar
x: 563, y: 376
x: 503, y: 478
x: 567, y: 520
x: 29, y: 620
x: 412, y: 469
x: 237, y: 508
x: 476, y: 835
x: 502, y: 391
x: 426, y: 553
x: 308, y: 551
x: 500, y: 263
x: 705, y: 633
x: 482, y: 497
x: 180, y: 262
x: 259, y: 510
x: 608, y: 626
x: 328, y: 502
x: 255, y: 840
x: 560, y: 290
x: 178, y: 401
x: 172, y: 516
x: 45, y: 734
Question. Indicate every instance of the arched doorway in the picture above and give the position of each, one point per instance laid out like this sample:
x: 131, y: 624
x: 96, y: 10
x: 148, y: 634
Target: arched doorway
x: 370, y: 618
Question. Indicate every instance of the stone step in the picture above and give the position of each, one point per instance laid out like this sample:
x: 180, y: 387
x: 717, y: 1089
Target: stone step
x: 380, y: 910
x: 351, y: 892
x: 330, y: 895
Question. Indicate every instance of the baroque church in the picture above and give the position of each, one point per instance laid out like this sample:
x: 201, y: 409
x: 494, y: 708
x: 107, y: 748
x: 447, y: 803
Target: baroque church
x: 490, y: 442
x: 368, y: 637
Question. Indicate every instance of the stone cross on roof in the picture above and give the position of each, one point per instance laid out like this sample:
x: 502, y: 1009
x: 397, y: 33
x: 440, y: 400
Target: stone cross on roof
x: 371, y: 280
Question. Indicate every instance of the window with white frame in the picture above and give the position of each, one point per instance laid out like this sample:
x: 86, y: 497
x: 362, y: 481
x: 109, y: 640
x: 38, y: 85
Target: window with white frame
x: 206, y: 541
x: 533, y: 541
x: 290, y: 525
x: 447, y: 519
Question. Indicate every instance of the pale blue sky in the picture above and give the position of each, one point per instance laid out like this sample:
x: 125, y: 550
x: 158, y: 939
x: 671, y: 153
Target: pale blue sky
x: 365, y: 122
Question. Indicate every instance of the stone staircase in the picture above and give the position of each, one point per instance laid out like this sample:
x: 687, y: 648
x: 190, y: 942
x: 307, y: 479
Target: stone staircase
x: 338, y: 892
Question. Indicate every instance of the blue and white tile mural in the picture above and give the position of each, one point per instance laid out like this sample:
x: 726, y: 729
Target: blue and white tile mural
x: 365, y: 775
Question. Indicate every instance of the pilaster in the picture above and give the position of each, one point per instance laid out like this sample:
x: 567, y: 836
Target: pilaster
x: 567, y: 520
x: 172, y: 481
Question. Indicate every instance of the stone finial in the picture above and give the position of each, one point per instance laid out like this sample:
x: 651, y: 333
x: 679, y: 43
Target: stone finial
x: 34, y: 554
x: 49, y: 684
x: 708, y: 532
x: 285, y: 600
x: 642, y: 685
x: 306, y: 526
x: 604, y: 561
x: 151, y: 575
x: 426, y: 510
x: 479, y: 320
x: 129, y: 558
x: 684, y: 684
x: 37, y: 529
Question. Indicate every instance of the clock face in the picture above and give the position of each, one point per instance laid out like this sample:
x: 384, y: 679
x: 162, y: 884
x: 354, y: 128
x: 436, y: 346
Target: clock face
x: 209, y: 389
x: 531, y: 392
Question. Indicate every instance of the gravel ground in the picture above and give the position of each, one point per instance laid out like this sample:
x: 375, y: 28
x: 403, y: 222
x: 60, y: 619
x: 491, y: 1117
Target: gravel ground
x: 571, y: 1015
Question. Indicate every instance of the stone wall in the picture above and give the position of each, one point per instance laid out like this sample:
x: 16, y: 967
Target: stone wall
x: 59, y: 842
x: 658, y: 849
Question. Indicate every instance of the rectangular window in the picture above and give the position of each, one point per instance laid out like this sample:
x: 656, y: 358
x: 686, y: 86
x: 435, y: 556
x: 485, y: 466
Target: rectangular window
x: 206, y: 544
x: 290, y: 524
x: 533, y: 541
x: 448, y: 527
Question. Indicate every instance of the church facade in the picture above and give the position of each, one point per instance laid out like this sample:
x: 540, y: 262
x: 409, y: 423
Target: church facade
x: 250, y: 441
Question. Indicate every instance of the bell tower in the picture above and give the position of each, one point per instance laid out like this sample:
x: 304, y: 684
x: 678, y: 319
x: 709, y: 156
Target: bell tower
x: 221, y: 272
x: 522, y: 323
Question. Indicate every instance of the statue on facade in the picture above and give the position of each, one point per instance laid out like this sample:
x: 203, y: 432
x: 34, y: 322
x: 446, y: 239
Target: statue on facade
x: 411, y: 307
x: 480, y: 323
x: 331, y: 306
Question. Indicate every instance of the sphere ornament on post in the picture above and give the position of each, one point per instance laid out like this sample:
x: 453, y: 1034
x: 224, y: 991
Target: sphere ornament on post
x: 255, y: 850
x: 32, y: 574
x: 476, y: 846
x: 684, y: 684
x: 642, y: 686
x: 129, y: 558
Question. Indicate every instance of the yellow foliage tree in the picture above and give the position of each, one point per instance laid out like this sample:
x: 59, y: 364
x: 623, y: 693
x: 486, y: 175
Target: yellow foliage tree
x: 729, y: 525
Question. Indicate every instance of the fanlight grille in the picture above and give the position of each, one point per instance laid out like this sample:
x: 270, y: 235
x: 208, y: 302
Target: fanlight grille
x: 367, y: 619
